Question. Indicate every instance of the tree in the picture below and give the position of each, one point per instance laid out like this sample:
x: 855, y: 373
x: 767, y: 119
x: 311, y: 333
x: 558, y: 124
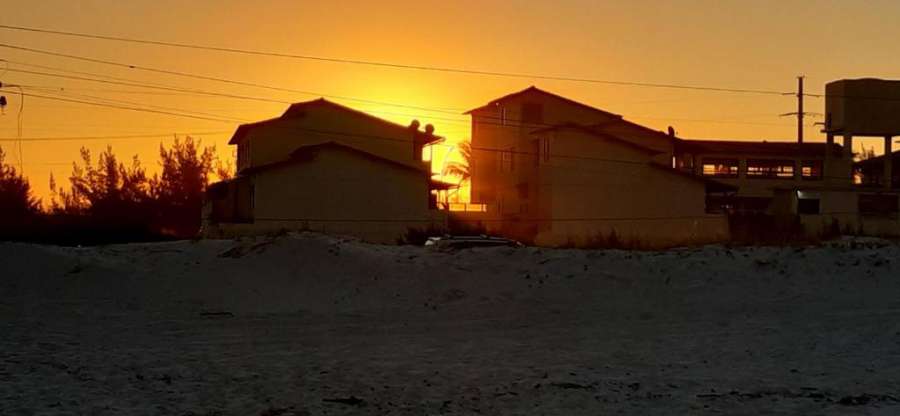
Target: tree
x: 462, y: 169
x: 110, y: 190
x: 120, y: 202
x: 17, y: 204
x: 180, y: 187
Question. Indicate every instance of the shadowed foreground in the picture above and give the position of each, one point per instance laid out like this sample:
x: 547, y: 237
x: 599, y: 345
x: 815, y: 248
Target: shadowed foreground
x: 313, y: 325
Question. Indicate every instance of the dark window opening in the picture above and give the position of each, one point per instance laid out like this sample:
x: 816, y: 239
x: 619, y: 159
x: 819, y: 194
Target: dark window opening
x: 808, y: 206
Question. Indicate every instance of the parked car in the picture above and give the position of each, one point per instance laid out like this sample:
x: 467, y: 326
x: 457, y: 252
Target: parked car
x: 468, y: 241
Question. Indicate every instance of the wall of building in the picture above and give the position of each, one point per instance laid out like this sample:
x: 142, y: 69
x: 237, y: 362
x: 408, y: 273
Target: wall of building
x: 644, y: 205
x: 610, y: 187
x: 840, y: 210
x: 338, y: 193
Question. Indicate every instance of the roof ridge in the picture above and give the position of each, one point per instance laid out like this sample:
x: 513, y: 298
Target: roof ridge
x: 545, y: 92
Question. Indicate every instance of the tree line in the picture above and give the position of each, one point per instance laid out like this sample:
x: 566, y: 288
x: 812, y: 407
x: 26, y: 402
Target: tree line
x: 107, y: 200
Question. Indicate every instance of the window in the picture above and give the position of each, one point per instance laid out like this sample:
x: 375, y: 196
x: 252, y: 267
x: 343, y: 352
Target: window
x: 808, y: 206
x: 507, y: 161
x: 243, y: 156
x: 502, y: 116
x: 724, y: 168
x: 811, y: 169
x: 878, y: 204
x: 770, y: 168
x: 532, y: 113
x: 544, y: 150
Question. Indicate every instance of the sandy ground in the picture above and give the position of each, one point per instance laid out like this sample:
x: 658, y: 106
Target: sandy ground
x: 312, y: 325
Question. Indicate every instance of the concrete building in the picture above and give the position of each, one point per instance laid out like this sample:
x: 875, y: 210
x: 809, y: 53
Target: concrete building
x: 759, y: 170
x: 868, y: 107
x: 813, y: 184
x: 325, y: 167
x: 556, y: 172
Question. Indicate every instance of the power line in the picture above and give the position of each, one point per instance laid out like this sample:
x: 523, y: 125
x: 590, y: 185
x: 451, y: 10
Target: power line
x: 504, y: 121
x: 127, y: 108
x: 390, y: 64
x: 507, y: 122
x: 209, y: 78
x: 131, y: 136
x: 309, y: 92
x: 326, y: 132
x: 105, y: 90
x: 151, y: 106
x: 134, y: 84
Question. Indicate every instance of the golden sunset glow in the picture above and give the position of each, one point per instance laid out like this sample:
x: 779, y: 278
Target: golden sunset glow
x: 706, y: 43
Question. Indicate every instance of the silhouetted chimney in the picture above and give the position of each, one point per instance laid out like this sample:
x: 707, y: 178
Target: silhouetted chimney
x: 671, y: 131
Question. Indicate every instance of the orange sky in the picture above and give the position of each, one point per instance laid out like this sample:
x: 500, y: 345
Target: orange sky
x: 759, y: 45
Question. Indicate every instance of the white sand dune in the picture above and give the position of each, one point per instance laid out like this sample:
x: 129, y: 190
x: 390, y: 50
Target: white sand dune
x: 309, y: 325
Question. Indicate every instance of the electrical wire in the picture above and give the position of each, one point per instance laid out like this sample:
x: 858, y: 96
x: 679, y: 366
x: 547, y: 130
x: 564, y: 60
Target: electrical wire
x: 504, y: 121
x: 127, y: 108
x: 113, y: 137
x: 390, y: 64
x: 210, y: 78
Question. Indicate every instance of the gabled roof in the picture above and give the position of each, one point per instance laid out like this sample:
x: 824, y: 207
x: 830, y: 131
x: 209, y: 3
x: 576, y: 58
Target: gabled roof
x: 298, y: 110
x: 533, y: 89
x: 787, y: 149
x: 593, y: 132
x: 309, y: 153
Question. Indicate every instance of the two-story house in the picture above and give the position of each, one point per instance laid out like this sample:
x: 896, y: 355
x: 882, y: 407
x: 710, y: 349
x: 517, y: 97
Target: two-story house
x: 555, y: 171
x: 325, y: 167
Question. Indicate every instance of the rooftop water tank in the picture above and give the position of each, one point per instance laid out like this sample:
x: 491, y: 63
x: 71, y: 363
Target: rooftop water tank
x: 863, y: 107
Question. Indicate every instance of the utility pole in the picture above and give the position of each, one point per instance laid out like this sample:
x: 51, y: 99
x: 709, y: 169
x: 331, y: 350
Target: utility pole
x: 799, y: 113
